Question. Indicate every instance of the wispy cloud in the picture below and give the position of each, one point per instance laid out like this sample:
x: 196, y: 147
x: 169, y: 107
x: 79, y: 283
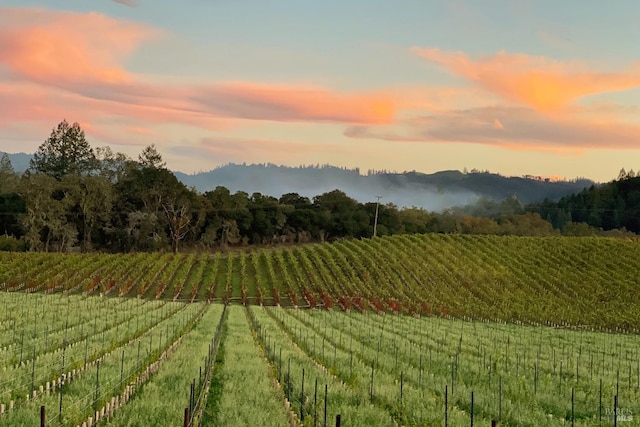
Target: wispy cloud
x: 520, y: 128
x: 529, y: 103
x: 294, y: 103
x: 539, y: 82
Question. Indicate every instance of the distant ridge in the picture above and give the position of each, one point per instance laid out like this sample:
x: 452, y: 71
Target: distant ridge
x: 435, y: 191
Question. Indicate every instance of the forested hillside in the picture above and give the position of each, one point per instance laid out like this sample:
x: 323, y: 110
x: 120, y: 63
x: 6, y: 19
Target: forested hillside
x: 615, y: 205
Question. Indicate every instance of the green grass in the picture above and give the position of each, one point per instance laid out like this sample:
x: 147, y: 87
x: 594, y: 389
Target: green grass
x: 243, y: 392
x: 522, y: 374
x: 103, y: 356
x: 162, y: 400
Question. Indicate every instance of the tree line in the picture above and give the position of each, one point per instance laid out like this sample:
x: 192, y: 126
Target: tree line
x: 77, y: 198
x: 614, y: 206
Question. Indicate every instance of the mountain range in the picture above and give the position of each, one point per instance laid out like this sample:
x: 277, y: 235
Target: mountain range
x: 435, y: 191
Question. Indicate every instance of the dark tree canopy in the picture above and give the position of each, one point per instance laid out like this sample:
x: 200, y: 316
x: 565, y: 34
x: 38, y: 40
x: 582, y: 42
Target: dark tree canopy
x: 610, y: 206
x: 65, y: 152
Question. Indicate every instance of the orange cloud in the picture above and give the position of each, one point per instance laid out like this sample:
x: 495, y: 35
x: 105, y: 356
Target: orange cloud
x: 62, y: 48
x: 79, y: 58
x: 539, y: 82
x: 294, y: 103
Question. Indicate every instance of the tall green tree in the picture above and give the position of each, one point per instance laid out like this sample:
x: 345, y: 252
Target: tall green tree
x: 301, y: 222
x: 227, y: 217
x: 416, y: 220
x: 150, y: 158
x: 219, y: 208
x: 65, y: 152
x: 12, y: 207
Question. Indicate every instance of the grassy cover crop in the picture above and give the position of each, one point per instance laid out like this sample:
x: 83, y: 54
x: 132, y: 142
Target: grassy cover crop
x: 162, y: 400
x: 75, y: 353
x: 373, y: 369
x: 387, y: 367
x: 243, y: 390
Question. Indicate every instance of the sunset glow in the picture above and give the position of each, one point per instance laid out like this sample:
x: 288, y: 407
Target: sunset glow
x: 351, y: 85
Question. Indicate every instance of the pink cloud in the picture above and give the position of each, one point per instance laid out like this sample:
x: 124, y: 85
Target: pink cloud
x: 539, y: 82
x: 79, y: 58
x: 294, y: 103
x: 508, y: 127
x: 42, y: 108
x: 67, y: 48
x: 20, y: 102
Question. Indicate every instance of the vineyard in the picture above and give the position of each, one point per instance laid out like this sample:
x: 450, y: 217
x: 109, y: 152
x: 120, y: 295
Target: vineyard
x: 556, y: 281
x: 409, y: 330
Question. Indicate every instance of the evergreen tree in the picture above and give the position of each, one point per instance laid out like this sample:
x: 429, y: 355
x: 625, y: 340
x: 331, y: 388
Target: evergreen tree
x: 65, y: 152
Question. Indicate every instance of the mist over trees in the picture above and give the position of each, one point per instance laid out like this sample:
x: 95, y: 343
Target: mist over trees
x: 434, y: 191
x: 77, y: 198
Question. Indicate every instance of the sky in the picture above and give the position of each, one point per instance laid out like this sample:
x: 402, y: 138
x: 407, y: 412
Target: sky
x: 516, y: 87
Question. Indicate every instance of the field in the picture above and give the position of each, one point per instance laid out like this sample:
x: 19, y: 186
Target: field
x: 409, y: 330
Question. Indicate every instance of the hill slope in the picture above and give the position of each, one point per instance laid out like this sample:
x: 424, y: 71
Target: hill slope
x: 592, y: 281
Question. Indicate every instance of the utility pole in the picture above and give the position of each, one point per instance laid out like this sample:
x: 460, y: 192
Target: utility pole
x: 375, y: 221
